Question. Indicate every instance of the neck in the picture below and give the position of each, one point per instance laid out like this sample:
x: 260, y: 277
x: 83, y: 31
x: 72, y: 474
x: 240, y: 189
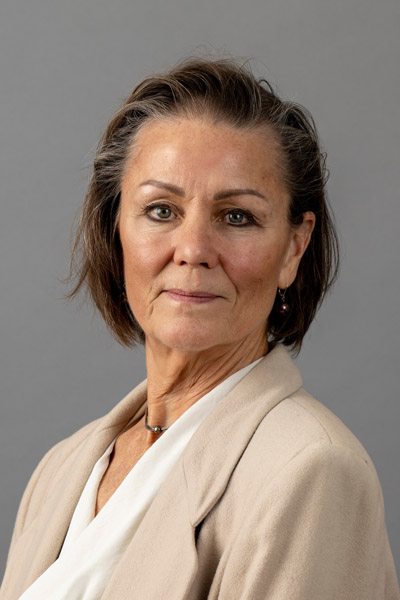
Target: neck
x: 177, y: 379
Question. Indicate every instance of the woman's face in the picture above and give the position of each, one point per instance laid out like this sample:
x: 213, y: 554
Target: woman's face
x: 204, y: 233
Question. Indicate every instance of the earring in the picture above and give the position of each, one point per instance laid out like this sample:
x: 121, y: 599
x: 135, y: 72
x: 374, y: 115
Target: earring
x: 284, y: 307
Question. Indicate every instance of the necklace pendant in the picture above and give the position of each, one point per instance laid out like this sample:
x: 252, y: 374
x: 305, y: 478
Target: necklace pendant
x: 156, y: 429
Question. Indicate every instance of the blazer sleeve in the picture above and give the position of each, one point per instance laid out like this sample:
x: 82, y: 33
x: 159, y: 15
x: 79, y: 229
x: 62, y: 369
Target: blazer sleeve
x: 317, y: 532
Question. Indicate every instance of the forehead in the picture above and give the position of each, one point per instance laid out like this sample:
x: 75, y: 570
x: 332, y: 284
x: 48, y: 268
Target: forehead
x: 204, y: 150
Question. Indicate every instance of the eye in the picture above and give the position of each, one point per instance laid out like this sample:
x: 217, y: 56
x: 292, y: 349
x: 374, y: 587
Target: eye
x: 159, y: 212
x: 239, y: 218
x: 163, y: 212
x: 236, y: 218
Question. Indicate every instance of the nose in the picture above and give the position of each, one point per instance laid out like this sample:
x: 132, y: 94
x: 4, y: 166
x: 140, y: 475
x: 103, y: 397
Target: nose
x: 196, y: 243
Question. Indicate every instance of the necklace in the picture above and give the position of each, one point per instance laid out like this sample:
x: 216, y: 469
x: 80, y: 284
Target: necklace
x: 156, y: 429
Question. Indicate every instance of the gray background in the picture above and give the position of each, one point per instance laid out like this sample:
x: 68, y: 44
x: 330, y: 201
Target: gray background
x: 65, y: 66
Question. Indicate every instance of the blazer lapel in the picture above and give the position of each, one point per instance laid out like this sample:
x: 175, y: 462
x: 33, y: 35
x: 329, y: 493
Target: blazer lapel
x: 220, y: 441
x: 161, y: 560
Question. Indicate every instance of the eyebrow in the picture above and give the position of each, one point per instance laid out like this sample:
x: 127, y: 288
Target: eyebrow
x: 166, y: 186
x: 218, y: 196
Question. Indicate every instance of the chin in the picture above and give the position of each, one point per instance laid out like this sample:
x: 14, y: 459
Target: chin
x: 193, y: 337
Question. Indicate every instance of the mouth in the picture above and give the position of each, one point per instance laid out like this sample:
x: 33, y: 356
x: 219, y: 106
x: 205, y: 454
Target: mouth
x: 193, y: 296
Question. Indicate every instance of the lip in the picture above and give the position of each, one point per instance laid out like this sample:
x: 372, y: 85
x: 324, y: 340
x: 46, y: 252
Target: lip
x: 193, y: 296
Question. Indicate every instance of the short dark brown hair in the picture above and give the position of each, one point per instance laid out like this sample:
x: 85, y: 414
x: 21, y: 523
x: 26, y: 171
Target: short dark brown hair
x: 228, y: 92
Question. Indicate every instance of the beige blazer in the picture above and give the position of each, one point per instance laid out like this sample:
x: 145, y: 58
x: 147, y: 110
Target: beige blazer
x: 273, y: 498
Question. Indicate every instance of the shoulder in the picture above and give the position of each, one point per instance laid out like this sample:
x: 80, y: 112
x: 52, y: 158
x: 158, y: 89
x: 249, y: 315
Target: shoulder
x: 45, y: 472
x: 103, y: 429
x: 63, y: 449
x: 290, y: 419
x: 300, y: 440
x: 78, y: 453
x: 305, y: 468
x: 303, y: 502
x: 309, y: 422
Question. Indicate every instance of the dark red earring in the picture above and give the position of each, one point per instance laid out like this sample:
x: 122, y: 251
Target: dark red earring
x: 284, y: 307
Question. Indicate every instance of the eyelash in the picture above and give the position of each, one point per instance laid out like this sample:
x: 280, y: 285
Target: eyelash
x: 251, y: 220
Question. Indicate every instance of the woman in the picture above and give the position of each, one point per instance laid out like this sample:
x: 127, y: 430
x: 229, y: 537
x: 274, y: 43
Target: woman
x: 205, y: 234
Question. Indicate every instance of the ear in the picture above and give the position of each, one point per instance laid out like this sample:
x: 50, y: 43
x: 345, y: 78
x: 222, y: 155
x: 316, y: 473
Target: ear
x: 299, y: 239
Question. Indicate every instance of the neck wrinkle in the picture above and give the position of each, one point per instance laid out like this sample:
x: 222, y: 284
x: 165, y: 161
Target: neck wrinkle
x: 175, y: 384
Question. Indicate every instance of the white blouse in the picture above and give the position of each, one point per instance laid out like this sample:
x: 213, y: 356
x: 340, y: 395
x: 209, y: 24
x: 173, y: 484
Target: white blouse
x: 94, y: 545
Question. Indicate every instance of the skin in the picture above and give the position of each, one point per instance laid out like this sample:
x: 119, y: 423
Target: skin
x: 206, y: 243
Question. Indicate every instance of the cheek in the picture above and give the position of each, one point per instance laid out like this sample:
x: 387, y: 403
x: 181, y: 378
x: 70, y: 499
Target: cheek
x: 255, y: 269
x: 138, y: 261
x: 143, y: 256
